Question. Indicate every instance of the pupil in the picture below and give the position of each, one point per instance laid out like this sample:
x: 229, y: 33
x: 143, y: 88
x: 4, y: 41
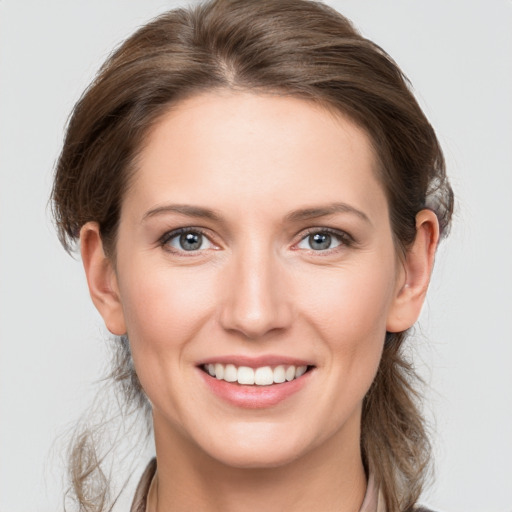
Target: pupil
x: 320, y: 241
x: 191, y: 241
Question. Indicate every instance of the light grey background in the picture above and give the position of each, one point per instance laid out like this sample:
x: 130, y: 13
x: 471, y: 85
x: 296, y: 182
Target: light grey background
x: 458, y: 56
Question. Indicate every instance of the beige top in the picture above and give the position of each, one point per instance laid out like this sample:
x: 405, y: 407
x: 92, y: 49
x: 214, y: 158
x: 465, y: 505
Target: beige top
x: 373, y: 500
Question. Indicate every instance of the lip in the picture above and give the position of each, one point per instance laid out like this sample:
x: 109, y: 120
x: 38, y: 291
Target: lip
x: 254, y: 397
x: 256, y: 362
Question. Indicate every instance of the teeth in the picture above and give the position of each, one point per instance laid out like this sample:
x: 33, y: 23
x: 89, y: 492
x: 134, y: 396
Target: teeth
x: 219, y: 371
x: 280, y: 374
x: 301, y: 370
x: 230, y: 373
x: 263, y: 376
x: 245, y: 375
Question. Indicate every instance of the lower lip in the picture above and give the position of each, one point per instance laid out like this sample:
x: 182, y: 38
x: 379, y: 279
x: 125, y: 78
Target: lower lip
x: 254, y: 397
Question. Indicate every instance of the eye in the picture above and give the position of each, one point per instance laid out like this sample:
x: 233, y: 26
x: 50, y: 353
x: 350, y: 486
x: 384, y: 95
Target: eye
x: 187, y: 240
x: 323, y: 240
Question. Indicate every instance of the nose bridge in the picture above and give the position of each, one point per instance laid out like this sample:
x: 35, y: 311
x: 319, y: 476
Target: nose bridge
x: 256, y: 301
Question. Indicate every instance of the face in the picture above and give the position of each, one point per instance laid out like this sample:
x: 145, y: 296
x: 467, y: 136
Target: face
x: 257, y: 275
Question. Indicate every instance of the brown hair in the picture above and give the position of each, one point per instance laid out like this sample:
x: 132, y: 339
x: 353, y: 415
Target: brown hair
x: 295, y: 47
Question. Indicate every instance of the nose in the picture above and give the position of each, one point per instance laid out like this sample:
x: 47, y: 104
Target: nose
x: 256, y: 300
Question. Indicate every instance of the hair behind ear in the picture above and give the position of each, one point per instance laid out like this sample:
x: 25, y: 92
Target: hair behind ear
x: 394, y: 440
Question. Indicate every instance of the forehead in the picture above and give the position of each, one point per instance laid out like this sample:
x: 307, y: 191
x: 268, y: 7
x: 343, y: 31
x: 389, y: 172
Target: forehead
x: 240, y: 147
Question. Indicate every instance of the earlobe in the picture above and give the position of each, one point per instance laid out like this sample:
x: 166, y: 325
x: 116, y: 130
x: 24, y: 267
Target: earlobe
x: 101, y: 279
x: 418, y: 264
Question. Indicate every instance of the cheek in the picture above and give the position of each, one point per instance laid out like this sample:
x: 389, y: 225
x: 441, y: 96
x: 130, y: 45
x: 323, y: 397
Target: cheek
x: 165, y: 307
x: 350, y: 317
x: 351, y: 320
x: 352, y: 300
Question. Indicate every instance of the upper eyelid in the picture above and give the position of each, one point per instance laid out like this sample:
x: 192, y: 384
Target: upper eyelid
x: 332, y: 231
x: 172, y: 233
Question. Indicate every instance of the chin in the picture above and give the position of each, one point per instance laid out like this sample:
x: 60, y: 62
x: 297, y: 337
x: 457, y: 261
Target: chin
x: 252, y: 458
x: 250, y: 446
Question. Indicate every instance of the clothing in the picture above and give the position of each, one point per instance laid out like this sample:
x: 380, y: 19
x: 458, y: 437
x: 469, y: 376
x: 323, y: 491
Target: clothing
x: 373, y: 500
x: 141, y: 494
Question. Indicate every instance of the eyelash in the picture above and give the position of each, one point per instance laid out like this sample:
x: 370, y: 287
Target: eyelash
x: 167, y: 237
x: 343, y: 237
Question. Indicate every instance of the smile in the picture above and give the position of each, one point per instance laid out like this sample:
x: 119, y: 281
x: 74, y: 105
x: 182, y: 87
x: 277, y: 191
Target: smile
x: 256, y: 382
x: 261, y: 376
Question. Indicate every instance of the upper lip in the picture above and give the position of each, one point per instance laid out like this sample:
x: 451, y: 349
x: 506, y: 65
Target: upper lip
x: 256, y: 362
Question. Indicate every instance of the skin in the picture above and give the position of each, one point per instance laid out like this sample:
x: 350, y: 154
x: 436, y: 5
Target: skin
x: 257, y: 288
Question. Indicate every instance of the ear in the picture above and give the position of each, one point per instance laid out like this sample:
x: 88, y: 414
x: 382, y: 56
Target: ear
x: 417, y: 268
x: 101, y: 278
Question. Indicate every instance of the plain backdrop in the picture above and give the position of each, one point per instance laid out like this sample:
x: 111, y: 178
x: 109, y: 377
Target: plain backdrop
x: 458, y: 55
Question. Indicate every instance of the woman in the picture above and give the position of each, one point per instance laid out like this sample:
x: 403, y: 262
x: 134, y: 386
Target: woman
x: 258, y: 199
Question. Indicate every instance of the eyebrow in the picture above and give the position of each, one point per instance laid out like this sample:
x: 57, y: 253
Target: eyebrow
x: 313, y: 212
x: 183, y: 209
x: 325, y: 210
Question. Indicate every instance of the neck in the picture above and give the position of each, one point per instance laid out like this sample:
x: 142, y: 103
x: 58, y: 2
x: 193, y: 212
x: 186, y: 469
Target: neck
x: 328, y: 477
